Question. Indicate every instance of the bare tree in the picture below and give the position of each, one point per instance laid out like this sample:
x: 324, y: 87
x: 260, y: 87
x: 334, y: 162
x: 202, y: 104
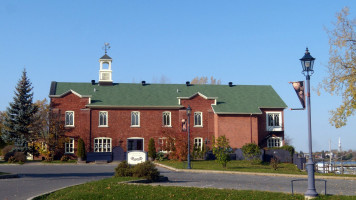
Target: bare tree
x: 204, y: 80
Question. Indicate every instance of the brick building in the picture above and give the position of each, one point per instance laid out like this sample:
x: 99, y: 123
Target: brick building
x: 112, y: 116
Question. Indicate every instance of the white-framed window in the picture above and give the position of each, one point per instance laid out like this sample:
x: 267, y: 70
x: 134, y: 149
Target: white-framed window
x: 135, y: 119
x: 163, y: 144
x: 102, y: 144
x: 166, y: 117
x: 103, y: 118
x: 69, y: 146
x: 198, y: 119
x: 274, y: 121
x: 198, y: 143
x: 274, y: 142
x: 69, y: 118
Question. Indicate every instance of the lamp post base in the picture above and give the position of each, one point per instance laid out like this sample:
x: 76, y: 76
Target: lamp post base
x: 311, y: 191
x: 310, y: 197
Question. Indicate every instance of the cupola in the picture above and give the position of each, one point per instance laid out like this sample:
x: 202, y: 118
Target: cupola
x: 105, y: 72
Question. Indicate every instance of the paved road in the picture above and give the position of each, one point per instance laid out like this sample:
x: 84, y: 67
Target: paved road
x: 254, y: 182
x: 38, y: 179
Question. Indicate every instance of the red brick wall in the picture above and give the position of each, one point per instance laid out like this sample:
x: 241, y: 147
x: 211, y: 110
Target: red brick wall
x: 200, y: 104
x: 119, y: 121
x: 239, y: 129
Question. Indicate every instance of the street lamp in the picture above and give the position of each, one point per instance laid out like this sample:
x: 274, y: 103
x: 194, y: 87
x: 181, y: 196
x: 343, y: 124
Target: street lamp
x: 189, y: 111
x: 307, y: 63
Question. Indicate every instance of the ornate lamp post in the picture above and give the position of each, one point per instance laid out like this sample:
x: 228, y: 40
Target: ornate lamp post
x: 307, y: 63
x: 189, y: 111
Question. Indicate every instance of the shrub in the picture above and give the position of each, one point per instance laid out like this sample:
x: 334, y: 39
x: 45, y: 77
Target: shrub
x: 11, y: 159
x: 81, y: 149
x: 274, y: 163
x: 251, y: 152
x: 64, y: 158
x: 160, y: 156
x: 123, y: 170
x: 48, y: 156
x: 289, y: 148
x: 7, y: 152
x: 20, y: 157
x: 222, y: 150
x: 146, y: 170
x: 152, y: 149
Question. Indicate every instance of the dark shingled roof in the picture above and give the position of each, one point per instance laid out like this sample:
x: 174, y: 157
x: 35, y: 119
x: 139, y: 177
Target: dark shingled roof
x: 106, y: 57
x: 238, y: 99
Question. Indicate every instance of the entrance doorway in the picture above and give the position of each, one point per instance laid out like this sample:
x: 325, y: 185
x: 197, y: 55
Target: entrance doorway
x: 135, y: 144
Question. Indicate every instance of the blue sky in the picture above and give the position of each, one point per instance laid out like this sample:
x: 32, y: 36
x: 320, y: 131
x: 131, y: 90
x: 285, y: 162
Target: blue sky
x: 246, y: 42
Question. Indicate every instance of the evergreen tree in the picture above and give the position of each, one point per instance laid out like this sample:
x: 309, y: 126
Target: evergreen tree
x: 18, y: 121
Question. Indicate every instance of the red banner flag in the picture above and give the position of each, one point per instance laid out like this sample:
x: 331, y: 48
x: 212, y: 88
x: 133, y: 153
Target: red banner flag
x: 299, y: 89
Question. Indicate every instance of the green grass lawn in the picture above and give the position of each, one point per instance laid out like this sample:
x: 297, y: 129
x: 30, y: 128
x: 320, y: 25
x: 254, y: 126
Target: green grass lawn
x: 242, y: 166
x: 112, y: 188
x: 236, y: 165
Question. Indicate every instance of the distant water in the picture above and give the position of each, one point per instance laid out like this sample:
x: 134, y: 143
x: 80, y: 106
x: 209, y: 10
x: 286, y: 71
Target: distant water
x: 338, y: 162
x: 337, y: 168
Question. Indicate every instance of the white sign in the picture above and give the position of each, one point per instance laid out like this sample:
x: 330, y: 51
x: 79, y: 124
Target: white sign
x: 136, y: 157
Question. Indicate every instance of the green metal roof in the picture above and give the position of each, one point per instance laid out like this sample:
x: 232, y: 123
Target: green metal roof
x: 238, y: 99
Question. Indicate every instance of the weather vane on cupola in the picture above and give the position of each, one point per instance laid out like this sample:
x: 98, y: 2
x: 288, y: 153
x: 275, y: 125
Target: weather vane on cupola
x: 106, y: 47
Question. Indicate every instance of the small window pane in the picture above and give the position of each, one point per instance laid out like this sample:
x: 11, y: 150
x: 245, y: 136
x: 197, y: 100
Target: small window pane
x: 198, y: 119
x: 166, y: 118
x: 135, y: 118
x: 69, y: 118
x: 103, y: 118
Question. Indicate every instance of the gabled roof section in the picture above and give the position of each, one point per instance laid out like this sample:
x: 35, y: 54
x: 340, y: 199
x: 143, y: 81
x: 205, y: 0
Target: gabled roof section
x: 239, y: 99
x: 68, y: 92
x: 198, y: 93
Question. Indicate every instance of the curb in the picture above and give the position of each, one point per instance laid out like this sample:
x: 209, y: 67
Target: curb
x: 250, y: 173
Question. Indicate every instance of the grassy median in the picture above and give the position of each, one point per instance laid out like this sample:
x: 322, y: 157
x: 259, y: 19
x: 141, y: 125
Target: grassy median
x: 244, y: 166
x: 236, y: 165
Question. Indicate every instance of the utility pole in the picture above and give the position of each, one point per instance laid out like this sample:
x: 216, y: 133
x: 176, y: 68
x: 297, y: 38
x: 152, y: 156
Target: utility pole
x: 340, y: 151
x: 330, y: 155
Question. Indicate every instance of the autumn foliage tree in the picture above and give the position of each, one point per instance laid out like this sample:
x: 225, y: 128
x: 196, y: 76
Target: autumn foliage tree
x: 177, y: 145
x: 341, y: 78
